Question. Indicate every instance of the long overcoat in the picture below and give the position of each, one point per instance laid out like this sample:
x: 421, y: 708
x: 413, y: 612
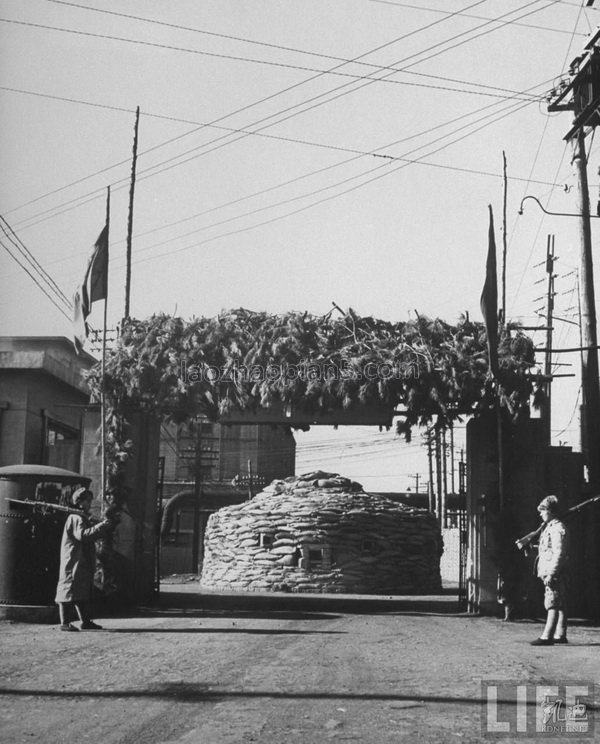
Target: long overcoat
x: 78, y: 558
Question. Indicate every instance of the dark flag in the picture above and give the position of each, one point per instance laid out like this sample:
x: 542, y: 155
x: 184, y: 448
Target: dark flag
x: 489, y: 300
x: 94, y: 287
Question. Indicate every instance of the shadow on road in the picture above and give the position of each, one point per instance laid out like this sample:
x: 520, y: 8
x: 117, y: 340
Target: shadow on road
x: 250, y: 631
x: 173, y: 600
x: 241, y: 614
x: 194, y: 693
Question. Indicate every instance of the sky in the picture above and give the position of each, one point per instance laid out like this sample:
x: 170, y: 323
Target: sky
x: 292, y: 155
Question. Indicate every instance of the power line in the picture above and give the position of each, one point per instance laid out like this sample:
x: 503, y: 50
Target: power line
x: 342, y: 87
x: 468, y: 15
x: 35, y: 280
x: 280, y: 47
x: 318, y: 97
x: 296, y: 85
x: 404, y: 160
x: 375, y: 152
x: 361, y: 184
x: 541, y: 220
x: 389, y: 171
x: 77, y: 200
x: 34, y: 263
x: 271, y: 63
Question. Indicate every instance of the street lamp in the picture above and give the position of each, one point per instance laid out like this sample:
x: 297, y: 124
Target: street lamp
x: 554, y: 214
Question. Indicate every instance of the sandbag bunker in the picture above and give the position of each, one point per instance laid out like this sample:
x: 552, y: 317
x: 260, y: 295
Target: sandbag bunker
x: 321, y: 533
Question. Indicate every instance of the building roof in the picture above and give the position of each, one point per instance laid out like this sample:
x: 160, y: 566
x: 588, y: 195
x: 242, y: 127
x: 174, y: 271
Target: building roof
x: 54, y: 355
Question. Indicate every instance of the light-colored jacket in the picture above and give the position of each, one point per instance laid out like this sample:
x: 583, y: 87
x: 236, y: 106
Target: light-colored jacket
x: 78, y: 558
x: 553, y: 549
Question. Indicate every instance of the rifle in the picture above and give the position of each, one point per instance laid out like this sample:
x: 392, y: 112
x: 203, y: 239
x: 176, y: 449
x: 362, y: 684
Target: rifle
x: 46, y: 505
x: 112, y: 513
x: 524, y: 543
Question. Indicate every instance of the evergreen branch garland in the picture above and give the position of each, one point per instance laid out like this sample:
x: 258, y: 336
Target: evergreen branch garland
x: 446, y: 367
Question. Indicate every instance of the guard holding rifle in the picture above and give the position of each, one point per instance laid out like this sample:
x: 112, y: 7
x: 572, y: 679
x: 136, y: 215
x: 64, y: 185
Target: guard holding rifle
x: 551, y: 569
x: 78, y: 561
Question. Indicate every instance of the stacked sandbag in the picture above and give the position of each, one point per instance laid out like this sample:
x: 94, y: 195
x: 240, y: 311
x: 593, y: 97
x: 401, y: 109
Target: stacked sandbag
x: 321, y: 532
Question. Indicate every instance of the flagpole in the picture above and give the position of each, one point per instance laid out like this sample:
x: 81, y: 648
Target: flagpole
x: 130, y: 217
x: 103, y: 363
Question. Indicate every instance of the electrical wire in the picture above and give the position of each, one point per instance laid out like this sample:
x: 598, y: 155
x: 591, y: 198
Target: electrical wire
x: 404, y: 159
x: 404, y: 162
x: 447, y: 123
x: 290, y: 88
x: 388, y: 171
x: 35, y: 280
x: 33, y: 262
x: 122, y: 183
x: 280, y: 47
x: 466, y: 15
x: 311, y: 100
x: 531, y: 3
x: 301, y: 68
x: 541, y: 220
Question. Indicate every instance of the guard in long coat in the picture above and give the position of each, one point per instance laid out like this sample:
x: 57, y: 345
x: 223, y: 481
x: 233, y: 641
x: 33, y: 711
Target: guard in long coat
x: 78, y: 562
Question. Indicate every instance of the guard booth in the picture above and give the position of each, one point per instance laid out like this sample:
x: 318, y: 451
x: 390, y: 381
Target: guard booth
x: 34, y: 505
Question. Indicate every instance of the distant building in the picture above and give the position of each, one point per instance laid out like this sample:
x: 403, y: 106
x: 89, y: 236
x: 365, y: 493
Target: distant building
x: 42, y: 398
x: 230, y: 461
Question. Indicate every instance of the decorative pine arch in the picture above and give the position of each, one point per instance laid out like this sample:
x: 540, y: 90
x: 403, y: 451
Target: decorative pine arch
x: 240, y: 362
x: 164, y: 367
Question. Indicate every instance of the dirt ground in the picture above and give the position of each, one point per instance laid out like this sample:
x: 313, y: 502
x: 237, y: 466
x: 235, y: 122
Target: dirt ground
x: 213, y: 670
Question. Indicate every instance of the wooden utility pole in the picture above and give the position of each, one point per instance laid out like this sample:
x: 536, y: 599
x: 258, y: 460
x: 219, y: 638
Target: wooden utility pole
x: 583, y: 88
x: 452, y: 483
x: 590, y: 384
x: 430, y: 463
x: 504, y: 246
x: 130, y: 218
x: 547, y: 409
x: 416, y: 478
x: 104, y: 474
x: 444, y: 477
x: 438, y: 473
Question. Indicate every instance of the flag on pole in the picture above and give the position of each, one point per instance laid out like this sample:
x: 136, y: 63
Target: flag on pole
x: 94, y: 287
x: 489, y: 300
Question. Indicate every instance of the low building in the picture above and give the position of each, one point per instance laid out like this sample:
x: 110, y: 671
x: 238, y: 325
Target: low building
x: 42, y: 397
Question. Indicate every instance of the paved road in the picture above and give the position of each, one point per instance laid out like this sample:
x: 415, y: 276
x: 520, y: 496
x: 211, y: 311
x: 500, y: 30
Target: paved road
x: 286, y: 673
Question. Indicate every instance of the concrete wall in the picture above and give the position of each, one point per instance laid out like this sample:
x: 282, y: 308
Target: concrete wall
x: 142, y: 480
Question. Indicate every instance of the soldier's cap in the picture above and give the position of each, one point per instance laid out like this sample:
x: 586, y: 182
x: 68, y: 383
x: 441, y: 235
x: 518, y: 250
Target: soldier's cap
x: 550, y: 503
x: 81, y: 494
